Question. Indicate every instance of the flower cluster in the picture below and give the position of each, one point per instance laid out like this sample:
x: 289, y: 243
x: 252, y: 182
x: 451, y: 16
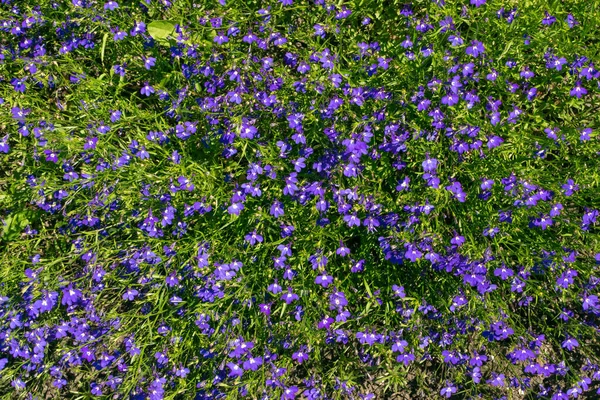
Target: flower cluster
x: 299, y: 199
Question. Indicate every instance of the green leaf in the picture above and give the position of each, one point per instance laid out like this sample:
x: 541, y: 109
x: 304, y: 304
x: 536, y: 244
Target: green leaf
x: 104, y: 38
x: 160, y: 30
x: 14, y: 224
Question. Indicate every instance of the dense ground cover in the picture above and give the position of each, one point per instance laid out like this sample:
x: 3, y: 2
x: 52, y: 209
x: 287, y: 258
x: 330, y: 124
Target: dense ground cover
x: 299, y: 199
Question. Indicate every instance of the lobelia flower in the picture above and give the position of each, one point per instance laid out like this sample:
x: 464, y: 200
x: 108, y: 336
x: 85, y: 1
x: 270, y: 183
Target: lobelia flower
x: 130, y: 294
x: 18, y: 383
x: 289, y: 297
x: 571, y: 21
x: 277, y: 209
x: 90, y: 143
x: 475, y: 49
x: 590, y: 302
x: 253, y: 363
x: 503, y: 272
x: 51, y: 156
x: 300, y: 356
x: 118, y: 34
x: 337, y: 300
x: 325, y: 322
x: 399, y: 346
x: 119, y: 69
x: 111, y: 5
x: 578, y: 90
x: 352, y: 220
x: 138, y: 29
x: 147, y: 90
x: 450, y: 389
x: 221, y: 38
x: 570, y: 343
x: 342, y: 251
x: 585, y: 134
x: 491, y: 231
x: 4, y: 147
x: 405, y: 358
x: 289, y: 393
x: 235, y: 371
x: 548, y: 19
x: 570, y: 187
x: 457, y: 240
x: 494, y: 141
x: 149, y: 62
x: 265, y: 309
x: 71, y: 295
x: 497, y: 380
x: 18, y: 85
x: 323, y: 279
x: 430, y: 164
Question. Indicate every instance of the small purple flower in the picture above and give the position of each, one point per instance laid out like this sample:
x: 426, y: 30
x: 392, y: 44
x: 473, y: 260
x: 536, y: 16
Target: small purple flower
x: 115, y: 115
x: 475, y: 49
x: 235, y: 370
x: 504, y: 272
x: 111, y: 5
x: 235, y: 208
x: 90, y: 143
x: 221, y: 38
x: 119, y: 69
x: 4, y: 147
x: 405, y: 358
x: 578, y: 90
x: 18, y: 85
x: 590, y: 302
x: 570, y: 343
x: 147, y: 90
x: 138, y: 29
x: 494, y: 141
x: 323, y: 279
x: 403, y: 185
x: 352, y: 220
x: 289, y: 297
x: 253, y: 363
x: 491, y: 231
x: 96, y: 389
x: 477, y: 360
x: 497, y: 380
x: 276, y: 209
x: 548, y: 19
x: 570, y: 187
x: 18, y: 384
x: 300, y: 356
x: 399, y: 346
x: 457, y: 240
x: 585, y: 134
x: 430, y: 164
x: 265, y: 309
x: 253, y: 238
x: 51, y: 156
x: 325, y: 322
x: 571, y: 21
x: 70, y: 296
x: 149, y: 62
x: 130, y: 294
x: 289, y: 393
x: 450, y: 389
x: 342, y: 251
